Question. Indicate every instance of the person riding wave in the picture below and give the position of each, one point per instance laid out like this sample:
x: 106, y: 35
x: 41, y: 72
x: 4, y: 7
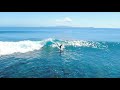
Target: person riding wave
x: 60, y: 47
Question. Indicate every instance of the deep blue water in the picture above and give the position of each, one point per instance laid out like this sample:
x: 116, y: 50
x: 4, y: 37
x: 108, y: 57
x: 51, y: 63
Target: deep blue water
x: 33, y: 53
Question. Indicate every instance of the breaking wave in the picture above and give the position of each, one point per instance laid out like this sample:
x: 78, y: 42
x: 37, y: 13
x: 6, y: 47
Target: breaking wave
x: 7, y: 48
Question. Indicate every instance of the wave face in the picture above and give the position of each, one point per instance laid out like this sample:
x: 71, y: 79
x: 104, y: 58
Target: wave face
x: 7, y: 48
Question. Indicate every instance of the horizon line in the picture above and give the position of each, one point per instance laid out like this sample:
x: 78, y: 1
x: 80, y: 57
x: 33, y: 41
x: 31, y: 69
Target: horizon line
x: 54, y: 27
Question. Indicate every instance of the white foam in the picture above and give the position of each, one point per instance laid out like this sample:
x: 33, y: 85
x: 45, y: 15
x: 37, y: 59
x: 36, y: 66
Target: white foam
x: 78, y: 43
x: 21, y: 47
x: 82, y: 43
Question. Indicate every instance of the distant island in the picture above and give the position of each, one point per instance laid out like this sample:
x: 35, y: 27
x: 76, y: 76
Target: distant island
x: 45, y: 27
x: 6, y: 27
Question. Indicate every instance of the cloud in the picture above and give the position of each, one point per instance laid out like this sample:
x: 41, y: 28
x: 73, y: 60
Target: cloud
x: 66, y: 19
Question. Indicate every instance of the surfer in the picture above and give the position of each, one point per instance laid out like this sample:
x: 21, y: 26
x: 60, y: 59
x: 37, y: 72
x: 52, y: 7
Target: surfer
x: 60, y: 47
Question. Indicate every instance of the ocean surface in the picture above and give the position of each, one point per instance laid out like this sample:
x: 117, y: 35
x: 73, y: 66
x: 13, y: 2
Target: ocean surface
x: 29, y: 52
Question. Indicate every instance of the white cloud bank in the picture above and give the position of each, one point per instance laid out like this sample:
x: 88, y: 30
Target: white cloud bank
x: 64, y: 20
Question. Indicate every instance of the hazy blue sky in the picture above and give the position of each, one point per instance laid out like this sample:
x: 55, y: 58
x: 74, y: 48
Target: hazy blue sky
x: 81, y: 19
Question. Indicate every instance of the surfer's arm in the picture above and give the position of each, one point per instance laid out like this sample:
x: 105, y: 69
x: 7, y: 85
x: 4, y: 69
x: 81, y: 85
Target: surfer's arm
x: 57, y: 45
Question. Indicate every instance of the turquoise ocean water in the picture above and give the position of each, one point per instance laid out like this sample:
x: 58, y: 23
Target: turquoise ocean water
x: 29, y: 52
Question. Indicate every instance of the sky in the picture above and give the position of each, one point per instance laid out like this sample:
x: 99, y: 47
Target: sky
x: 74, y: 19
